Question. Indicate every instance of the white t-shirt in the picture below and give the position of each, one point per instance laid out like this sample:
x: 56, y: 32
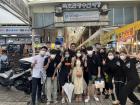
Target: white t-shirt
x: 38, y: 67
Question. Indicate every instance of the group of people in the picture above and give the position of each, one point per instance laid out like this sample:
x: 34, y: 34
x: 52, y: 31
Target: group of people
x: 82, y: 68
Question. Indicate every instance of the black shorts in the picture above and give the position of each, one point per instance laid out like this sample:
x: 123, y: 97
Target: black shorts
x: 109, y: 85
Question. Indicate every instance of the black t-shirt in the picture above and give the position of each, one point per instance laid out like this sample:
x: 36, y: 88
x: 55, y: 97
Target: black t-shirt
x: 53, y: 64
x: 72, y: 53
x: 66, y: 66
x: 114, y: 69
x: 130, y: 69
x: 92, y: 64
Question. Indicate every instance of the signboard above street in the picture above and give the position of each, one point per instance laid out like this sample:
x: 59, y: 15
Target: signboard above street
x: 81, y: 16
x: 81, y: 5
x: 10, y: 30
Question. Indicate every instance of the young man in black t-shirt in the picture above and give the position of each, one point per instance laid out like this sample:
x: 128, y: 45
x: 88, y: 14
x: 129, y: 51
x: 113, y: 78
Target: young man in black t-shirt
x: 93, y: 67
x: 51, y: 83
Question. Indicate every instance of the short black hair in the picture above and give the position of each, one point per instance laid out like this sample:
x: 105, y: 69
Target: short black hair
x: 97, y: 44
x: 48, y: 42
x: 44, y: 47
x: 110, y: 51
x: 123, y: 51
x: 53, y: 51
x: 89, y: 48
x: 4, y: 51
x: 73, y: 44
x: 117, y: 52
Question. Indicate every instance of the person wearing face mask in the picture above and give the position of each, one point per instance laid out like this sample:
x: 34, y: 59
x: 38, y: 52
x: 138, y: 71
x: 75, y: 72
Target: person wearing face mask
x: 108, y: 73
x: 77, y: 76
x: 65, y: 72
x: 102, y: 57
x: 113, y: 70
x: 37, y: 65
x: 93, y: 67
x: 50, y: 65
x: 3, y: 61
x: 72, y: 50
x: 129, y: 67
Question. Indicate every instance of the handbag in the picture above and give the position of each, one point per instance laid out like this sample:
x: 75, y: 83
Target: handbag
x: 79, y: 73
x: 99, y: 84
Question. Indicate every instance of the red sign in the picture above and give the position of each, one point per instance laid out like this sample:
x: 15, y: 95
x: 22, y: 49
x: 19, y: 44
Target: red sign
x: 127, y: 34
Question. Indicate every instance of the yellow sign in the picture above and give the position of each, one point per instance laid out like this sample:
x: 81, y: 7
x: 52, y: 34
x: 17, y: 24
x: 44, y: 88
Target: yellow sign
x: 37, y: 45
x: 52, y: 45
x: 137, y: 26
x: 126, y: 34
x: 123, y: 33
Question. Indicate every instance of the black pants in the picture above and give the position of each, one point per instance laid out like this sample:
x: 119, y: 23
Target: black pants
x: 118, y: 87
x: 127, y: 91
x: 36, y: 89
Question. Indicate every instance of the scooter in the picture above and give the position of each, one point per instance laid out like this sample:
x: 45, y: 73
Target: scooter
x: 20, y: 80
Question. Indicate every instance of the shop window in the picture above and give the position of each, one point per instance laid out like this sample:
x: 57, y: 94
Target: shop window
x: 42, y: 19
x: 129, y: 15
x: 118, y: 16
x: 138, y: 12
x: 110, y: 15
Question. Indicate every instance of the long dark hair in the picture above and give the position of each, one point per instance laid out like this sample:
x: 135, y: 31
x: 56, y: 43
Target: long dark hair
x: 69, y: 58
x: 80, y: 58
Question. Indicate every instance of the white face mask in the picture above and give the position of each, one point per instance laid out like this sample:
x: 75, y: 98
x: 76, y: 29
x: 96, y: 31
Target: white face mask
x: 57, y: 46
x: 42, y: 53
x: 67, y: 55
x: 122, y: 57
x: 52, y: 56
x: 78, y: 54
x: 89, y: 52
x: 110, y: 57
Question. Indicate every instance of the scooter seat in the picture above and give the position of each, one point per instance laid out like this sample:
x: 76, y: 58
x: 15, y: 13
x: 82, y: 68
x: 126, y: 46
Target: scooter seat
x: 6, y: 74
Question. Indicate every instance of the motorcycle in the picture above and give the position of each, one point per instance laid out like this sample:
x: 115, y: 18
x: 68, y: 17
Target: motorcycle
x: 20, y: 79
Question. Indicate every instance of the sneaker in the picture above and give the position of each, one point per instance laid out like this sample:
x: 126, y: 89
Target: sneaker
x: 115, y: 102
x: 55, y: 102
x: 87, y: 99
x: 96, y: 98
x: 48, y: 103
x: 63, y: 100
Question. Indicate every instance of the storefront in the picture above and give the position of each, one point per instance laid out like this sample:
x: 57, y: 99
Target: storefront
x: 125, y: 37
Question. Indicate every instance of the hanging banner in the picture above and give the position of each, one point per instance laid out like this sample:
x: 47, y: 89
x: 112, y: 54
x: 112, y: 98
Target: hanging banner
x: 122, y: 34
x: 126, y: 34
x: 137, y: 26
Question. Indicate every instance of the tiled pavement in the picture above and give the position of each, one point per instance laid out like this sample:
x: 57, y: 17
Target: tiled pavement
x: 14, y: 97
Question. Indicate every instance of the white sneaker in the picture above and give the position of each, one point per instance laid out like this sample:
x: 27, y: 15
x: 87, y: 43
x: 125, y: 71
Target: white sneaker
x: 115, y: 102
x: 48, y: 103
x: 63, y: 100
x: 87, y: 99
x: 55, y: 102
x: 96, y: 98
